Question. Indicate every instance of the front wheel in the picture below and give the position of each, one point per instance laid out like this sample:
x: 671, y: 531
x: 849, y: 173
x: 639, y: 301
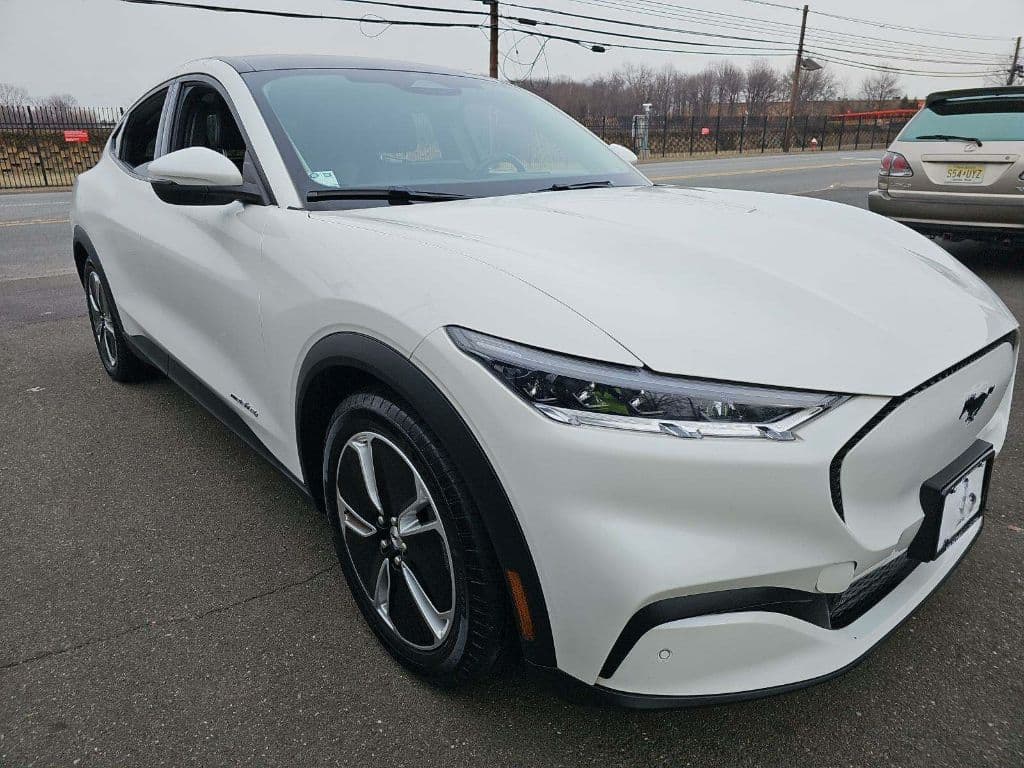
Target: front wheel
x: 415, y: 554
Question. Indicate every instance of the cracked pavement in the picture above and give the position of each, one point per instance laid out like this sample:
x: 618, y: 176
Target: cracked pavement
x: 168, y: 599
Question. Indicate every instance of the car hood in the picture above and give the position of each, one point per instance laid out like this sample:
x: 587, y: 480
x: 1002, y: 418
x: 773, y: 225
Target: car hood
x: 724, y: 284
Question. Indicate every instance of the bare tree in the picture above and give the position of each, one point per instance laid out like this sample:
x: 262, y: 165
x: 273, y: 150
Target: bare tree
x: 705, y: 90
x: 664, y: 90
x: 14, y: 95
x: 761, y: 87
x: 674, y: 93
x: 58, y: 101
x: 817, y: 86
x: 879, y: 88
x: 686, y: 97
x: 638, y: 80
x: 729, y: 81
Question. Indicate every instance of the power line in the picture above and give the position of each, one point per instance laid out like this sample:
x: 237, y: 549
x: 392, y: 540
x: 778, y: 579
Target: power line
x: 598, y: 44
x: 776, y: 5
x: 916, y: 30
x: 824, y: 45
x: 639, y: 25
x: 412, y: 7
x: 899, y: 51
x: 734, y: 21
x: 883, y: 24
x: 300, y: 15
x: 898, y: 70
x: 533, y: 22
x: 592, y: 44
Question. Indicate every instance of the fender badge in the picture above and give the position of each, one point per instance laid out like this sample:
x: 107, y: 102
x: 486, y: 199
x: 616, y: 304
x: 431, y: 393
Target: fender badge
x: 255, y: 413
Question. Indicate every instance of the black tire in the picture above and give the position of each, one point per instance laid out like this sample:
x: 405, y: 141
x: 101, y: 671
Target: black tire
x: 118, y: 359
x: 480, y: 633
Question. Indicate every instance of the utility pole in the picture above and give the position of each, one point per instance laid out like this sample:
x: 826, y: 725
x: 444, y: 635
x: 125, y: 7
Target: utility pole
x: 787, y: 135
x: 1013, y: 67
x: 494, y: 37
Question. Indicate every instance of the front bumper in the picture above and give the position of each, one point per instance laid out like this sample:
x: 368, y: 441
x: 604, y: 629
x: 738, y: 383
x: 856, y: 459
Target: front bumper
x: 617, y: 522
x: 955, y: 215
x: 743, y: 655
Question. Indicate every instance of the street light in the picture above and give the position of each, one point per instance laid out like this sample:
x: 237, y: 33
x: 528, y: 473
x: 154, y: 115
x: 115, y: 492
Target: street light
x: 809, y: 65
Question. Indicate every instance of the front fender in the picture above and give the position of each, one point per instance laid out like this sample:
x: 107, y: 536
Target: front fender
x: 362, y: 356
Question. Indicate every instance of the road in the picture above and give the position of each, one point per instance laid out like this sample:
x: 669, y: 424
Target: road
x: 170, y: 600
x: 820, y: 174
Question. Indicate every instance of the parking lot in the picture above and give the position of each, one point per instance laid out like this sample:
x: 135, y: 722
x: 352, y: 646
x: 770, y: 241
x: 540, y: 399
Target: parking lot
x: 169, y: 599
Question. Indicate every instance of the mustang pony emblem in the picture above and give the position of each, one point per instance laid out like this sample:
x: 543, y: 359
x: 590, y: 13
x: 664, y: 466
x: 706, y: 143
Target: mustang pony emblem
x: 973, y: 404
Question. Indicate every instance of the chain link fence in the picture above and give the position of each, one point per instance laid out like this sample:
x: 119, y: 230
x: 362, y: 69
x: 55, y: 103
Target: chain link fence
x: 678, y: 137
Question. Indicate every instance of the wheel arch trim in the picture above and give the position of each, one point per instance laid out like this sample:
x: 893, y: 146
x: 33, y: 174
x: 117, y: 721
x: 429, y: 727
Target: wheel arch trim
x: 80, y: 240
x: 373, y: 358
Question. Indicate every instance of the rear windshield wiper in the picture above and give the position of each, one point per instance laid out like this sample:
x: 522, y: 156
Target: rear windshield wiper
x: 579, y: 185
x: 947, y: 137
x: 393, y: 195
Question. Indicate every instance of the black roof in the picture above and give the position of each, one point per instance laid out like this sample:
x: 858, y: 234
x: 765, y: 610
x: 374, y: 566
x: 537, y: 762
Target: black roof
x: 262, y: 62
x: 996, y: 90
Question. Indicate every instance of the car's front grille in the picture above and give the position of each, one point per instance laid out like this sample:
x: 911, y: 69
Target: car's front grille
x: 866, y: 592
x: 836, y: 466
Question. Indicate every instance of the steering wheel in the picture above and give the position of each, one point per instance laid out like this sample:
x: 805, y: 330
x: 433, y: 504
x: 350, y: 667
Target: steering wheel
x: 504, y: 157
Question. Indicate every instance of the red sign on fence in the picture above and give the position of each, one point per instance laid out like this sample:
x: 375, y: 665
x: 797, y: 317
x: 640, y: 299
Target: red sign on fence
x: 76, y: 136
x: 705, y: 131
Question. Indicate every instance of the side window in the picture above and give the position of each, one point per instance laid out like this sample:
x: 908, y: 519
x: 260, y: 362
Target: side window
x: 138, y: 142
x: 204, y: 120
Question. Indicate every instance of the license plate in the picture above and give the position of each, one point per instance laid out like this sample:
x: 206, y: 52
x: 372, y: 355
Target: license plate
x: 952, y: 501
x: 962, y: 504
x: 965, y: 174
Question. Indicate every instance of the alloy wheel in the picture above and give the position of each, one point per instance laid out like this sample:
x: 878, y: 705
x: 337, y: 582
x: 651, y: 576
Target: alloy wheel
x: 102, y: 320
x: 395, y: 540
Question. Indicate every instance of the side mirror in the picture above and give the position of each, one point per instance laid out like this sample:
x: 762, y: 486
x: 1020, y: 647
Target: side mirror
x: 198, y: 176
x: 623, y: 152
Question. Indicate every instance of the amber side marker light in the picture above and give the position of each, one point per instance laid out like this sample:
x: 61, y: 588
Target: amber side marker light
x: 523, y: 617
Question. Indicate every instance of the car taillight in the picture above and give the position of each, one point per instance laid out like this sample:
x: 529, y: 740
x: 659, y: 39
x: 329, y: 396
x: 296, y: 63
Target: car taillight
x: 894, y: 164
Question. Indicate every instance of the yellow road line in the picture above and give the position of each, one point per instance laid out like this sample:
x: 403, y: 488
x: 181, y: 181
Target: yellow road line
x: 780, y: 169
x: 25, y: 222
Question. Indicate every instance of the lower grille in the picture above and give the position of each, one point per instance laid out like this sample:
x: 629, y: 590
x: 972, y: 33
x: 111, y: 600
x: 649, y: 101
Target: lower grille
x: 866, y: 592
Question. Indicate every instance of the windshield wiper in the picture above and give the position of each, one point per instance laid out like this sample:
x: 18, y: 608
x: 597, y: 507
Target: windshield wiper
x: 393, y: 195
x: 948, y: 137
x: 579, y: 185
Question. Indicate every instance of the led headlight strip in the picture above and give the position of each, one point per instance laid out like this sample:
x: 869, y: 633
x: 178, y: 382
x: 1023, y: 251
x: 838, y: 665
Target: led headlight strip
x: 582, y: 392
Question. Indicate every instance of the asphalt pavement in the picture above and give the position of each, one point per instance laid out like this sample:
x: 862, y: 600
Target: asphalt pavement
x: 169, y: 599
x: 820, y: 174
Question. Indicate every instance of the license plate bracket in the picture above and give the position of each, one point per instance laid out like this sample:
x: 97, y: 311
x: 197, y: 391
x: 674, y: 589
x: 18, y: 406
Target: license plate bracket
x: 952, y: 500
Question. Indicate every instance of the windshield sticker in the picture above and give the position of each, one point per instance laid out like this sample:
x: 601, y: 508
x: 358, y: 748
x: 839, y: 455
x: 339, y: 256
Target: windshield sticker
x: 325, y: 178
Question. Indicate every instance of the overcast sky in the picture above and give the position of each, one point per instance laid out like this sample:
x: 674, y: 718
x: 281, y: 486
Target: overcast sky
x: 106, y: 52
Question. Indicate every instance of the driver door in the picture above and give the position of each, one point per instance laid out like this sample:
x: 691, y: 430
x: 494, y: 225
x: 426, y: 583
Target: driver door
x: 204, y: 263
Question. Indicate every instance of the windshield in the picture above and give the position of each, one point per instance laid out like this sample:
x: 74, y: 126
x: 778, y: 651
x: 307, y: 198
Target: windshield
x: 371, y: 129
x: 987, y: 118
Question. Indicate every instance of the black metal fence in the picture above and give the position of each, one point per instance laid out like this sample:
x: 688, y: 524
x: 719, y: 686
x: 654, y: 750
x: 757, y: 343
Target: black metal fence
x: 48, y: 146
x: 695, y: 135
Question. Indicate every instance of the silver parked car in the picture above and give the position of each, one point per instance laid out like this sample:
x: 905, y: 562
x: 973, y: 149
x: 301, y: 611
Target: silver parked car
x: 957, y: 168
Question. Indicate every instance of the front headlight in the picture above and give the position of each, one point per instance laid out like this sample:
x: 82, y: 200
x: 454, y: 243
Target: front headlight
x: 576, y: 391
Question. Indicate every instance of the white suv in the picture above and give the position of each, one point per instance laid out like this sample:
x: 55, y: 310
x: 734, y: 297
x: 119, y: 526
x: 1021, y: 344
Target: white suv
x: 672, y: 444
